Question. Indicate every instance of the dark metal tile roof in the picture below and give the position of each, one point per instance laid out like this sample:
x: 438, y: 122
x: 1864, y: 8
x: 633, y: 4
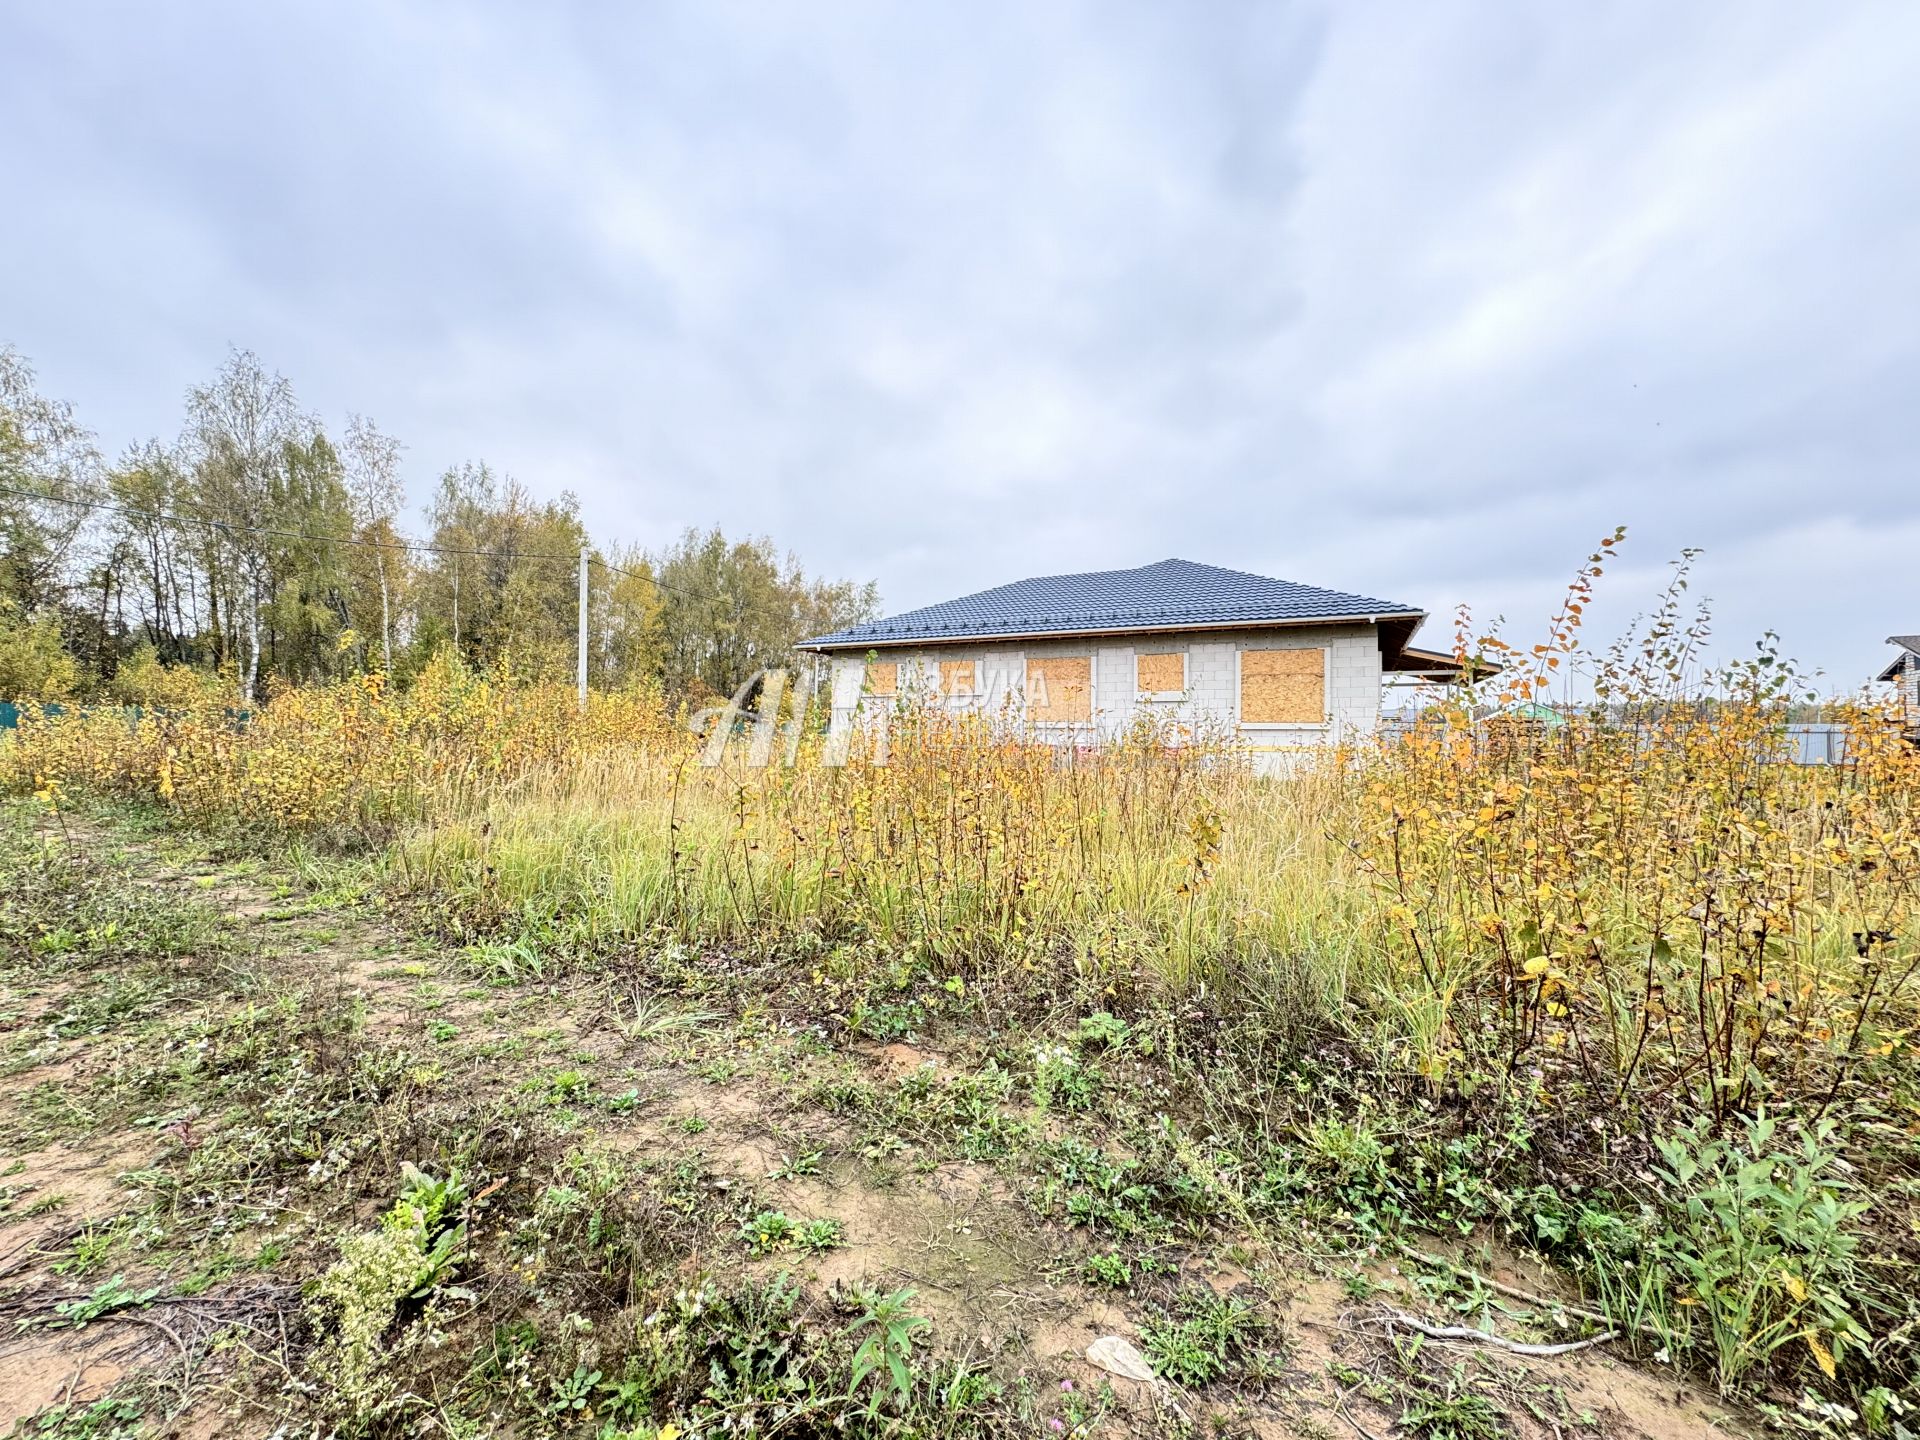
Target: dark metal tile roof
x: 1172, y: 594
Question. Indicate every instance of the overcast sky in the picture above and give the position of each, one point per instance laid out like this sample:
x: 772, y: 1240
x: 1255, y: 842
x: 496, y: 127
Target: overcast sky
x: 1413, y: 299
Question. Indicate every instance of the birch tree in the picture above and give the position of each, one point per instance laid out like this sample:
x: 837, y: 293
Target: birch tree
x: 49, y: 472
x: 147, y: 486
x: 239, y: 428
x: 373, y: 479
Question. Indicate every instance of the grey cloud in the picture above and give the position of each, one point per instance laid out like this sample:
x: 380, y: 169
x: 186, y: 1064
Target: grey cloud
x: 1416, y: 300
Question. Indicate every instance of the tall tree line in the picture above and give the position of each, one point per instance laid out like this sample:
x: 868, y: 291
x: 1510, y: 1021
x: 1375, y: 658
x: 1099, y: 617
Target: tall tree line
x: 256, y: 546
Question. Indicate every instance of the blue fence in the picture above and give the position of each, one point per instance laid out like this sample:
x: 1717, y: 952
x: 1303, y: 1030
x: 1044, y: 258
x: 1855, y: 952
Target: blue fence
x: 133, y: 714
x: 10, y: 713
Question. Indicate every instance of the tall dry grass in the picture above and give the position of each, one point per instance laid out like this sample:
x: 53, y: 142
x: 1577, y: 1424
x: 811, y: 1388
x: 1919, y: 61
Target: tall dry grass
x: 969, y: 848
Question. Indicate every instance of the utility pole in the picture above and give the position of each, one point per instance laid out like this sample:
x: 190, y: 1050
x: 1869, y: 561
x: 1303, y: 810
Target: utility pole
x: 583, y: 628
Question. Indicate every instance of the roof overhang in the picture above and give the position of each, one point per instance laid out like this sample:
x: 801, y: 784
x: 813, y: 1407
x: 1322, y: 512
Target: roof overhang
x: 1436, y: 666
x: 1909, y: 652
x: 1411, y: 619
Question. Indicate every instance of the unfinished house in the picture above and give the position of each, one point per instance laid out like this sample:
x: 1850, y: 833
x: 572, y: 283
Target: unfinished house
x: 1905, y: 673
x: 1076, y: 658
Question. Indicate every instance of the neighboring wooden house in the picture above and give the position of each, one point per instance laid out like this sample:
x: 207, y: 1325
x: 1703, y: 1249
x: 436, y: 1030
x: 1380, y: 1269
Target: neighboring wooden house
x: 1905, y: 672
x: 1280, y: 665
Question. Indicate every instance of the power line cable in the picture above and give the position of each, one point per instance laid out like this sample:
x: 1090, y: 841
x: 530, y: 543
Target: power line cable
x: 415, y: 545
x: 737, y: 605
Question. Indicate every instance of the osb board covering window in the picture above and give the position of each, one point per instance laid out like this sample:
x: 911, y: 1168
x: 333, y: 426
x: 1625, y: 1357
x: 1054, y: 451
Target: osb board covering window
x: 956, y: 677
x: 1060, y: 689
x: 883, y: 677
x: 1283, y: 687
x: 1158, y: 674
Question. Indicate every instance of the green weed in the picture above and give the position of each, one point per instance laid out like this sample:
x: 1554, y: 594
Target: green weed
x: 1451, y: 1410
x: 1205, y: 1337
x: 105, y: 1298
x: 885, y: 1356
x: 773, y: 1230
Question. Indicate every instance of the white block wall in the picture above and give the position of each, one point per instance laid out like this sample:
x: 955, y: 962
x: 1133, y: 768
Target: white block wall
x: 1211, y: 701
